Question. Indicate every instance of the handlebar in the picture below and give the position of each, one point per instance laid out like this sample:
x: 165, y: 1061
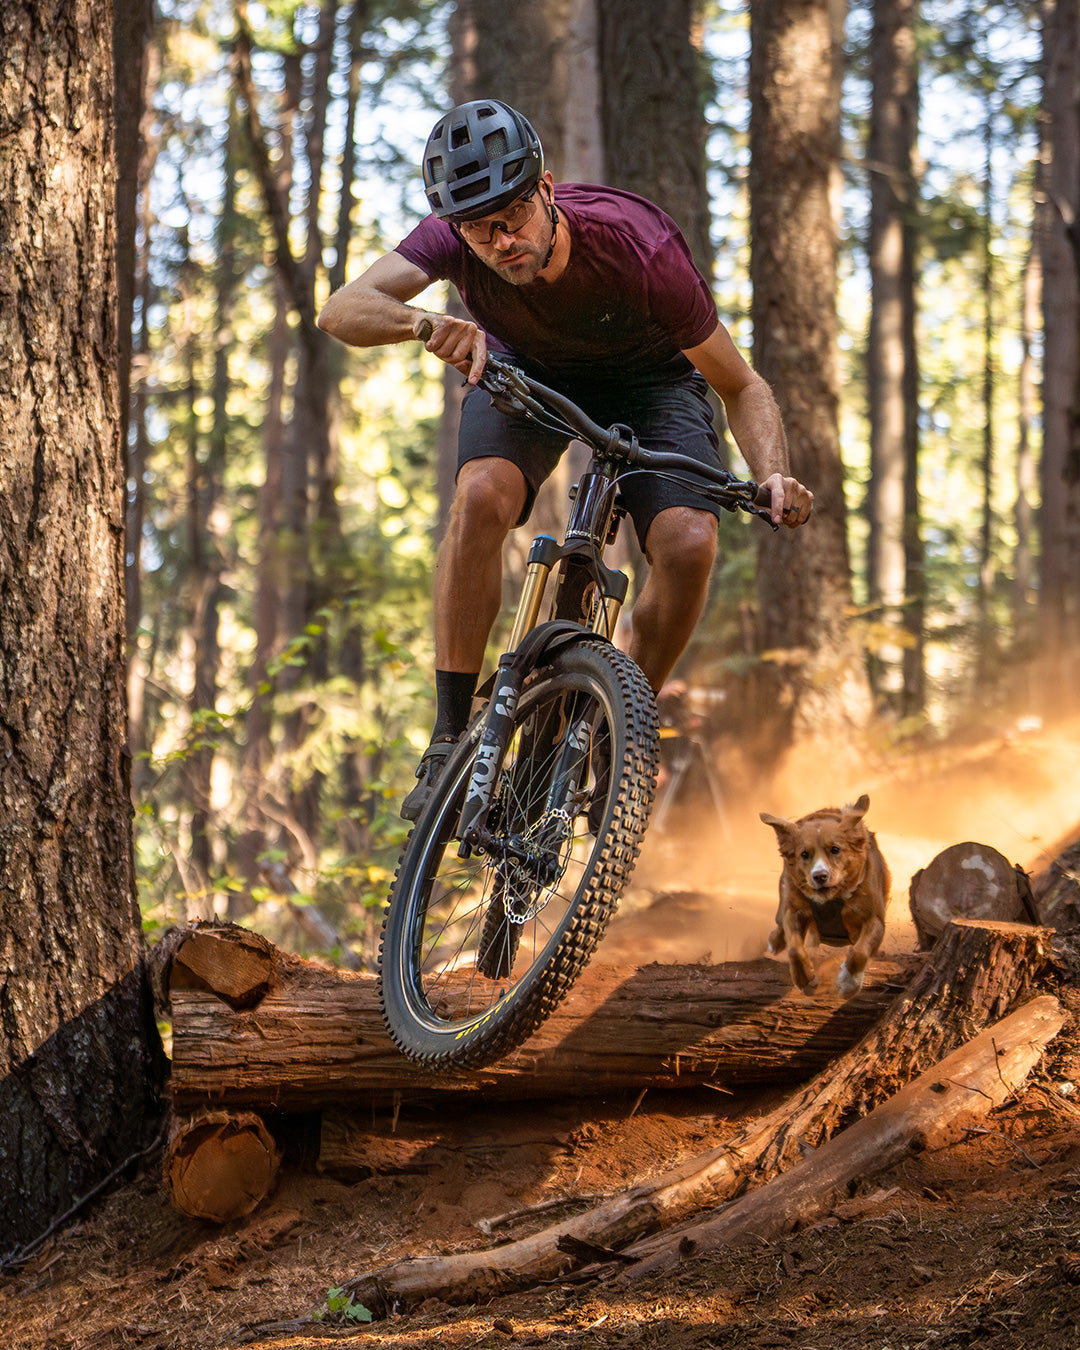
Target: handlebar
x: 517, y: 394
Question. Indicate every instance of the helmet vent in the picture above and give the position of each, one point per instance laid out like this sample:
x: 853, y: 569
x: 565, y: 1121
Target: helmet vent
x: 474, y: 166
x: 466, y: 191
x: 496, y: 145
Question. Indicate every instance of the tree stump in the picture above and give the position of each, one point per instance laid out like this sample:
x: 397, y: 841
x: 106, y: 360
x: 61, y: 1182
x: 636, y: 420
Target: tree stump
x: 968, y: 881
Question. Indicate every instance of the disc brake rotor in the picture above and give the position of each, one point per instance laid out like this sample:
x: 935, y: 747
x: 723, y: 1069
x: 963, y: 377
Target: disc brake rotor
x: 527, y: 885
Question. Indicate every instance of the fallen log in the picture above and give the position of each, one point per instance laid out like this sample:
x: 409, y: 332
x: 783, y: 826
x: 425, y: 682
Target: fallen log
x: 975, y: 974
x: 279, y: 1032
x: 929, y: 1113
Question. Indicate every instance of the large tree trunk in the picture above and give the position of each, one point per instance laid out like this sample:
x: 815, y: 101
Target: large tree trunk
x: 804, y: 584
x: 132, y: 25
x: 532, y: 74
x: 654, y: 75
x: 77, y: 1093
x: 890, y: 351
x: 1059, y: 577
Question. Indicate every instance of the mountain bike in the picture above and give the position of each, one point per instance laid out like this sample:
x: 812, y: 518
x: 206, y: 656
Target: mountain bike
x: 518, y: 858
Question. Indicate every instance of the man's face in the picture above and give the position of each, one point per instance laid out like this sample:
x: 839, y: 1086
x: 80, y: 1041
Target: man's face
x: 515, y: 254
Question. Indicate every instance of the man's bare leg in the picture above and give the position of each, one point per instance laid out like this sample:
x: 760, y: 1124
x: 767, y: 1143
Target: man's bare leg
x: 468, y: 572
x: 468, y: 591
x: 680, y: 549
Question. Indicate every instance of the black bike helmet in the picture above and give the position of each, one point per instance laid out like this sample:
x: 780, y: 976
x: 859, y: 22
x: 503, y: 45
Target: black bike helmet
x: 479, y: 157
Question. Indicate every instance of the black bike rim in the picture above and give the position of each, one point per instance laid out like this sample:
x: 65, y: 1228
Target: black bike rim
x: 425, y: 981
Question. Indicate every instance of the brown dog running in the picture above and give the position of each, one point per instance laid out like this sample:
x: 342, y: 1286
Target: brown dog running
x: 834, y: 888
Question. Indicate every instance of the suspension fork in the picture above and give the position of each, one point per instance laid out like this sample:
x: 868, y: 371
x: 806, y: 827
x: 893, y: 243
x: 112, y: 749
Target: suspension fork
x: 592, y: 525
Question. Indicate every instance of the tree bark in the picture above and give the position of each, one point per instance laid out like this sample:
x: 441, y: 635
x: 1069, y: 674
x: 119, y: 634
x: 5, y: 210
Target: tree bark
x: 254, y: 1027
x: 132, y: 25
x: 814, y: 674
x: 77, y: 1043
x: 975, y: 974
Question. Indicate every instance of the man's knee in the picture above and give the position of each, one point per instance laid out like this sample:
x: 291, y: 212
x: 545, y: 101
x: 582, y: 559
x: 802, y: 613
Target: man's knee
x: 490, y: 496
x: 682, y: 542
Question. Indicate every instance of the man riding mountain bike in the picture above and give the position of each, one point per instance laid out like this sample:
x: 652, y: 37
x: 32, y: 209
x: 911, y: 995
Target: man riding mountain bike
x: 592, y: 291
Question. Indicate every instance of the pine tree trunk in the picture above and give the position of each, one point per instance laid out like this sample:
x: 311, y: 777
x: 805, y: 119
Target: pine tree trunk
x: 804, y: 584
x: 892, y: 207
x: 1059, y: 576
x: 653, y: 77
x: 77, y: 1057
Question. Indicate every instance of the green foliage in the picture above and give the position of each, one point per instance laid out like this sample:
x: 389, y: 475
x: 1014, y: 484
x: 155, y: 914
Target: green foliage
x: 341, y: 1308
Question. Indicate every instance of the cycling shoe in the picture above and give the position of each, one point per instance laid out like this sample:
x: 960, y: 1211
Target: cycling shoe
x: 427, y: 771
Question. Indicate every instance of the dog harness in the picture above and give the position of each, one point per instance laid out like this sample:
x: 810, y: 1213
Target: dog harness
x: 828, y: 915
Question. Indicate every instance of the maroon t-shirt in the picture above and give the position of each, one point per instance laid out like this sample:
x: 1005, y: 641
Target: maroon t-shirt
x: 627, y: 305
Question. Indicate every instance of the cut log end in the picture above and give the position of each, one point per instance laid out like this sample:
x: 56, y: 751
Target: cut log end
x: 231, y: 962
x: 220, y: 1166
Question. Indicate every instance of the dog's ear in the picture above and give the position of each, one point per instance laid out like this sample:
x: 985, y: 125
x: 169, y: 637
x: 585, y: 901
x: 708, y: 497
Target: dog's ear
x: 785, y: 829
x: 853, y: 814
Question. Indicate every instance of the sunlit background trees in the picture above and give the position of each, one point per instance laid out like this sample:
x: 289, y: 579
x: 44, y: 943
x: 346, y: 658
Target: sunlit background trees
x: 894, y: 241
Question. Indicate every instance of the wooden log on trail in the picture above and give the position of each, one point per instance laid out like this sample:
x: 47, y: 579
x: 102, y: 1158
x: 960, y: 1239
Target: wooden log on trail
x: 974, y: 976
x: 929, y: 1113
x: 968, y: 881
x: 289, y: 1034
x: 219, y: 1165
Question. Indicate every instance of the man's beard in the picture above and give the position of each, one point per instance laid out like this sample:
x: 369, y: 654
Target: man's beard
x: 531, y: 262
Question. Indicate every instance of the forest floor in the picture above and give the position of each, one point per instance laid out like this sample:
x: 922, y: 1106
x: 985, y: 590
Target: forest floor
x: 974, y: 1244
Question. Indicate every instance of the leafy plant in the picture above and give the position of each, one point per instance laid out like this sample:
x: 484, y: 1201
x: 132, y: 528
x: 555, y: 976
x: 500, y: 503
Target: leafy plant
x: 341, y: 1308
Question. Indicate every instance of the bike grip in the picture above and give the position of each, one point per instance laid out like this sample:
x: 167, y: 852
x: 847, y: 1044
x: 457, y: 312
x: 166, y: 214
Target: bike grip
x: 763, y: 497
x: 426, y: 330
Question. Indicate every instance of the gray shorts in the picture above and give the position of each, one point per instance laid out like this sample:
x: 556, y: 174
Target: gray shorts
x: 670, y: 417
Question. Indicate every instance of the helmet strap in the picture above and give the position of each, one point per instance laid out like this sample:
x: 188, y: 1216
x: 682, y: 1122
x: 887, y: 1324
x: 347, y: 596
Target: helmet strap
x: 554, y: 227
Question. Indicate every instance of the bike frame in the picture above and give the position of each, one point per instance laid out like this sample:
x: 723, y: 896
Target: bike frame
x: 589, y: 595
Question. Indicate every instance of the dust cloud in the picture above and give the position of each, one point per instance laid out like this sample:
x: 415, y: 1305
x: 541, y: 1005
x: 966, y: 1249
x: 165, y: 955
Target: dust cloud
x: 706, y: 887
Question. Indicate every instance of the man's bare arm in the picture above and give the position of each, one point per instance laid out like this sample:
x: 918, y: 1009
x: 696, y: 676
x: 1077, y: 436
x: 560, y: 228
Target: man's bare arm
x: 372, y: 311
x: 755, y: 423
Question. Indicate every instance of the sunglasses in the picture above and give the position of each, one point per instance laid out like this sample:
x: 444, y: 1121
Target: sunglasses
x: 516, y: 216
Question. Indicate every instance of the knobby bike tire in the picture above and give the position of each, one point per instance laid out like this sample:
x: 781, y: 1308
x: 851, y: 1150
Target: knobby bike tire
x: 476, y: 952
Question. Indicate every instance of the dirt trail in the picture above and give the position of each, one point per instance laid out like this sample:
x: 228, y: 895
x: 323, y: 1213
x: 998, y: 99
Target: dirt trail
x: 978, y: 1244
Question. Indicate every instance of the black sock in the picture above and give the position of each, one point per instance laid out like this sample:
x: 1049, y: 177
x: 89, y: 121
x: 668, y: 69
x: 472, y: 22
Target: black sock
x: 454, y: 691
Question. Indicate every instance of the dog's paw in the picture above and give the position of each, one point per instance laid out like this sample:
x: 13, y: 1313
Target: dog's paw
x: 776, y: 942
x: 847, y: 983
x: 804, y: 979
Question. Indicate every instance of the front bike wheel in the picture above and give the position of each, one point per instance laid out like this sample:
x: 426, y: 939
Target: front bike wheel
x: 477, y: 951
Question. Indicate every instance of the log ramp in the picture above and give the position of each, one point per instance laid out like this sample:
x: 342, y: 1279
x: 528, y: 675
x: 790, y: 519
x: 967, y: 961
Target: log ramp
x: 929, y: 1045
